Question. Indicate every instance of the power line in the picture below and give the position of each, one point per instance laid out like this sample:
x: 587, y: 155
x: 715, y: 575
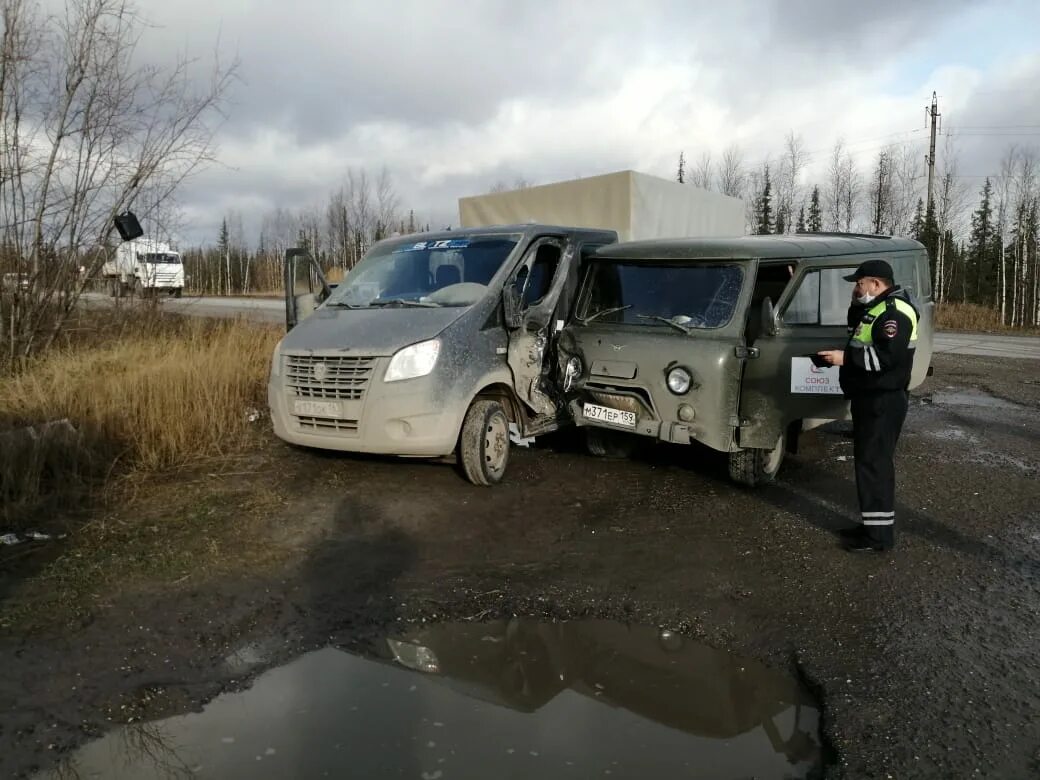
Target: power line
x: 993, y: 127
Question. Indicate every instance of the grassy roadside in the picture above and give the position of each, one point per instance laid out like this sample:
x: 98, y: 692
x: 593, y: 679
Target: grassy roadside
x: 159, y: 412
x: 972, y: 317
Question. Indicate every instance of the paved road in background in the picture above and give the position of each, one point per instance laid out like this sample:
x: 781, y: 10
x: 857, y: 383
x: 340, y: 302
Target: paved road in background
x: 987, y: 344
x: 273, y: 310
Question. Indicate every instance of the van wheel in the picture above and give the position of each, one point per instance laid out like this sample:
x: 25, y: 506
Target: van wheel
x: 604, y: 443
x: 755, y: 467
x: 484, y: 443
x: 177, y: 292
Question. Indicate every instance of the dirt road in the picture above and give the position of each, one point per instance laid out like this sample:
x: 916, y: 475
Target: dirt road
x: 925, y: 660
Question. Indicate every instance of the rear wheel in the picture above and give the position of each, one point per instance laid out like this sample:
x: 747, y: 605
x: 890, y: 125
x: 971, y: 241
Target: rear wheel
x: 177, y: 292
x: 484, y: 443
x: 754, y: 467
x: 604, y: 443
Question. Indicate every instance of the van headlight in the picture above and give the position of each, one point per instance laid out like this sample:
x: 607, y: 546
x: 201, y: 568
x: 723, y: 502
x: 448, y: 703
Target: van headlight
x: 276, y: 359
x: 571, y: 373
x: 414, y: 361
x: 679, y: 380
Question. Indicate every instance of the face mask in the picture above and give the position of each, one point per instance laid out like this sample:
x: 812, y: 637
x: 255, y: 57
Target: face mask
x: 863, y: 300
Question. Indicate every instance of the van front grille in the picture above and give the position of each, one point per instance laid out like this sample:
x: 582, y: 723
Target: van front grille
x: 334, y: 377
x: 327, y: 425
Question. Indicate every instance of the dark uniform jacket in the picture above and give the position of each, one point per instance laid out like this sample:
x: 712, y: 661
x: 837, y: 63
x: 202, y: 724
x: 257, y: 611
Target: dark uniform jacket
x: 886, y: 363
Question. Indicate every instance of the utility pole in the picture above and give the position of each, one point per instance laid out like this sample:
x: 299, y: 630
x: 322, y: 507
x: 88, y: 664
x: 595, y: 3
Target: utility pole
x: 879, y: 207
x: 933, y: 114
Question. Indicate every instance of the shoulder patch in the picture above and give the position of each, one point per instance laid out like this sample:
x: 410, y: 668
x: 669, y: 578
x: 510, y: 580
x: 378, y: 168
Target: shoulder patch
x: 891, y: 328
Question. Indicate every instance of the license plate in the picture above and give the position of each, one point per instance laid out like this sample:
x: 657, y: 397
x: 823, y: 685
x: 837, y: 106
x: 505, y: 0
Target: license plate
x: 316, y: 408
x: 608, y: 415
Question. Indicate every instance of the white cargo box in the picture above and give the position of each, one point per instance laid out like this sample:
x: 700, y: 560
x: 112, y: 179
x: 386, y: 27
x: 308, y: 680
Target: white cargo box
x: 636, y: 205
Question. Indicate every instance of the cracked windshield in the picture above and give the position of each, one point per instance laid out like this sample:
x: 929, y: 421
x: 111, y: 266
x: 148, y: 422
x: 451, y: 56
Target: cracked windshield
x: 684, y: 297
x: 446, y: 272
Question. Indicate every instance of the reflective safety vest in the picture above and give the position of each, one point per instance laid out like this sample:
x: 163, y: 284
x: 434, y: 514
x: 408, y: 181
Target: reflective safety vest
x: 864, y: 333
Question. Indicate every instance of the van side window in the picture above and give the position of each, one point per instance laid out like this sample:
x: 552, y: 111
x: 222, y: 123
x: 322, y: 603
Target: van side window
x: 905, y: 269
x: 543, y: 270
x: 822, y: 298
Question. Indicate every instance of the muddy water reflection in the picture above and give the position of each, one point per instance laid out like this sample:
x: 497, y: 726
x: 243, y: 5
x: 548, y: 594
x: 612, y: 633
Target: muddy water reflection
x: 505, y: 699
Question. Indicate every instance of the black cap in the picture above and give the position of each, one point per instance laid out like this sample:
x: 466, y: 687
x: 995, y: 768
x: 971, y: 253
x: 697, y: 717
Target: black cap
x: 879, y: 269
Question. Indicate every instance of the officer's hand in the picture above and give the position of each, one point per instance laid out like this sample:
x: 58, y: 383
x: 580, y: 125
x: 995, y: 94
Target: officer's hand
x: 836, y: 357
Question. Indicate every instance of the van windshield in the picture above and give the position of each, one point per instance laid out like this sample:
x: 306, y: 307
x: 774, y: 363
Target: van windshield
x: 443, y: 272
x: 160, y: 257
x: 683, y: 296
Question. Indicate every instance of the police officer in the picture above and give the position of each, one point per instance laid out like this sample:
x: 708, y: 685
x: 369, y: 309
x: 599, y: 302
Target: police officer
x: 875, y: 376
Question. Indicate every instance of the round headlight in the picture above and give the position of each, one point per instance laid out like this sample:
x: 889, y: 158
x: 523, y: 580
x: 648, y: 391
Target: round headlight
x: 679, y: 380
x: 572, y: 372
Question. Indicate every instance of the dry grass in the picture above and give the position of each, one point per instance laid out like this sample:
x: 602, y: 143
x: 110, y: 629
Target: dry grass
x: 971, y: 316
x: 160, y: 395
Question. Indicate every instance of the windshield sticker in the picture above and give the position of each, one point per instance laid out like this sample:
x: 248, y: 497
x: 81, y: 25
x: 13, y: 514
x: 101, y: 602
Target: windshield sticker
x: 446, y: 243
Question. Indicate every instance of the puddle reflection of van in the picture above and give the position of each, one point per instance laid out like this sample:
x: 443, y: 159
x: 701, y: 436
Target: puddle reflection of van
x: 708, y: 341
x: 433, y: 344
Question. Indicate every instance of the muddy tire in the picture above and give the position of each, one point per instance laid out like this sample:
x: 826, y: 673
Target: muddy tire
x: 754, y: 467
x: 484, y: 443
x: 604, y: 443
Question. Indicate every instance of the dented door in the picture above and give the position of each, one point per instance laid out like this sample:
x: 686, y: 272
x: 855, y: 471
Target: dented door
x: 531, y: 298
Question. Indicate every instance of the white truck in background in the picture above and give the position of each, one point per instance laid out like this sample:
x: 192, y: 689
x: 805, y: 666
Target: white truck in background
x: 144, y: 267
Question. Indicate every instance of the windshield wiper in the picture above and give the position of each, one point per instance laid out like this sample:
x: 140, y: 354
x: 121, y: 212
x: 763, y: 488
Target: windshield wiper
x: 403, y: 302
x: 344, y: 304
x: 666, y: 321
x: 603, y: 313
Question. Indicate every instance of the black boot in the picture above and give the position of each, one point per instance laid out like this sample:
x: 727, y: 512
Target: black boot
x: 873, y: 539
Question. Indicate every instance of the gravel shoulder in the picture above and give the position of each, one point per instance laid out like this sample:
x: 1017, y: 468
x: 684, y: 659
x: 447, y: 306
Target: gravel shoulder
x: 925, y: 660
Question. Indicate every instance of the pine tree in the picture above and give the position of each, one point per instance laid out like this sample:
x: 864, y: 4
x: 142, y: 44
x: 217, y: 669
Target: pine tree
x: 764, y: 207
x: 800, y: 226
x: 815, y: 224
x: 980, y: 257
x: 916, y: 225
x: 681, y: 175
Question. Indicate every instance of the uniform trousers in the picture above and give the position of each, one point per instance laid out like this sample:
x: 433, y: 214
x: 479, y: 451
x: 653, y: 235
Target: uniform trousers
x: 877, y: 419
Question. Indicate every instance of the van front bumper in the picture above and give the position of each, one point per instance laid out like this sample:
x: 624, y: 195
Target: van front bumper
x: 389, y: 418
x: 674, y: 432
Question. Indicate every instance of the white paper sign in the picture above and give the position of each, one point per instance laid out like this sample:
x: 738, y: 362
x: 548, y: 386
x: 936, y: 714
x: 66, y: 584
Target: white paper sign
x: 807, y: 378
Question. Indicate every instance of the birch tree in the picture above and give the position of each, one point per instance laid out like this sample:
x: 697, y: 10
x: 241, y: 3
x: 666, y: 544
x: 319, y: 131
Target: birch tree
x: 88, y: 128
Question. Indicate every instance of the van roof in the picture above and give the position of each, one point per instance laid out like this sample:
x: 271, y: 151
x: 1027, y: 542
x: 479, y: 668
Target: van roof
x: 799, y: 245
x: 529, y: 230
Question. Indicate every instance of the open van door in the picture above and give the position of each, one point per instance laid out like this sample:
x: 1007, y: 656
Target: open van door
x: 781, y: 383
x: 305, y: 285
x: 530, y: 300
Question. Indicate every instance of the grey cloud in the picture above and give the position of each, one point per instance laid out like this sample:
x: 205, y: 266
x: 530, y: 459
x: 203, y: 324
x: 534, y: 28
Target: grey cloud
x: 318, y: 73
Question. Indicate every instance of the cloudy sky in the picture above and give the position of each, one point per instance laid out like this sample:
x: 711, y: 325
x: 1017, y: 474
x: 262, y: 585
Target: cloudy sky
x: 454, y: 96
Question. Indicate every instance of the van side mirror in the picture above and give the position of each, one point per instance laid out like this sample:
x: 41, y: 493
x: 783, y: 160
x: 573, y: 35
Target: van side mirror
x: 770, y: 321
x: 128, y: 226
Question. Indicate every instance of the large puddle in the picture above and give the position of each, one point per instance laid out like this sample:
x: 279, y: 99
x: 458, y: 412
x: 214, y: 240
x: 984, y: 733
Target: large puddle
x: 509, y: 699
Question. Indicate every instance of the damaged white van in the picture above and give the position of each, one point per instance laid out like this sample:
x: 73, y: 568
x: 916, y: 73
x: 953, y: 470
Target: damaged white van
x: 434, y: 344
